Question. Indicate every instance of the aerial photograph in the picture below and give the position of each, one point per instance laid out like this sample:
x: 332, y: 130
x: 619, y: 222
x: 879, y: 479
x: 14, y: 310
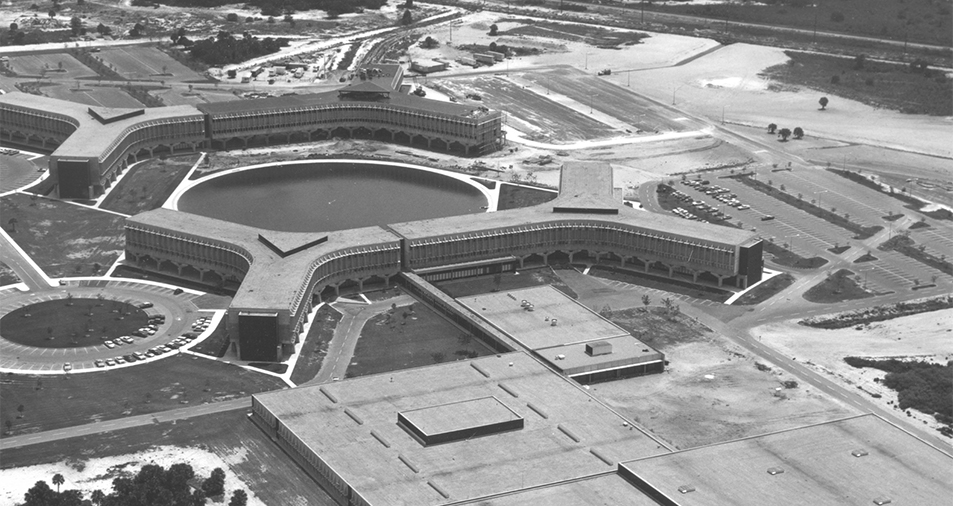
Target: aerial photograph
x: 603, y: 252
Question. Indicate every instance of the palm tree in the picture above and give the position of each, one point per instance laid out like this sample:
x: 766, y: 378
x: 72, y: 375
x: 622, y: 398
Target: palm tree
x: 58, y: 480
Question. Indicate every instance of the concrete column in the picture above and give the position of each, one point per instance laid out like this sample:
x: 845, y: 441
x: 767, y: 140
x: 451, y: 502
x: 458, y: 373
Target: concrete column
x: 671, y: 270
x: 646, y: 266
x: 202, y: 274
x: 742, y: 281
x: 695, y: 276
x: 360, y: 284
x: 466, y: 150
x: 429, y: 142
x: 721, y: 279
x: 545, y: 255
x: 598, y: 256
x: 622, y: 262
x: 393, y: 135
x: 245, y: 141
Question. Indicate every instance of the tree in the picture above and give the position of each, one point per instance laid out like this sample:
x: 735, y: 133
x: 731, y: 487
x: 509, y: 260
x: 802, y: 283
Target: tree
x: 13, y: 225
x: 239, y: 497
x: 798, y: 133
x: 646, y: 300
x: 39, y: 495
x: 198, y: 498
x: 784, y: 134
x: 494, y: 30
x: 409, y: 4
x: 20, y: 409
x: 859, y: 61
x: 58, y: 480
x: 772, y: 128
x: 215, y: 484
x: 9, y: 425
x: 97, y: 497
x: 14, y: 27
x: 408, y: 18
x: 823, y: 101
x: 232, y: 17
x: 76, y: 25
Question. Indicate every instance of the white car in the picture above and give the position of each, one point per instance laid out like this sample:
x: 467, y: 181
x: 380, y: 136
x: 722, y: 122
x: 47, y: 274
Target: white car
x: 109, y: 344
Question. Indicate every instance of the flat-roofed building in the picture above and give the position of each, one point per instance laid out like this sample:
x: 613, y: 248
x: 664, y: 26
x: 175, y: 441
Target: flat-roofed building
x: 93, y: 145
x: 499, y: 424
x: 858, y: 461
x: 569, y: 336
x: 607, y: 489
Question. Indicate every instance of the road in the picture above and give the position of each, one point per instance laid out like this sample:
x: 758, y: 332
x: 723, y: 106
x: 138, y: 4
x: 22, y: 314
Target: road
x: 124, y: 423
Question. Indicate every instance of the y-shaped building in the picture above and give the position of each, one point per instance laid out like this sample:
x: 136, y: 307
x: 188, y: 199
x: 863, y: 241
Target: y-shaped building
x: 280, y: 274
x: 91, y: 146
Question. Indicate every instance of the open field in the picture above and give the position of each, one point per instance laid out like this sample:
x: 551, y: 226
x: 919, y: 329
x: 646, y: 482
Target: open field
x: 16, y: 172
x: 402, y: 340
x: 515, y: 197
x: 925, y: 337
x: 147, y: 63
x: 505, y: 282
x: 149, y: 184
x: 49, y: 65
x: 914, y: 20
x: 892, y: 86
x: 838, y: 287
x: 765, y: 290
x: 105, y: 96
x: 227, y: 440
x: 541, y: 119
x: 53, y: 402
x: 712, y: 391
x: 64, y: 239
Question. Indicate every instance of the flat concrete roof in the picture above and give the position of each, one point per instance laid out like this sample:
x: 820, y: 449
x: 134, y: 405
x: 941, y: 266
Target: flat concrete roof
x: 92, y: 138
x: 601, y: 490
x: 272, y: 281
x: 459, y: 415
x: 567, y: 434
x: 847, y: 462
x: 574, y: 322
x: 333, y: 97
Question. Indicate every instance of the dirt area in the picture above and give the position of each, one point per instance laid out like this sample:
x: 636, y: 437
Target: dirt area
x: 7, y: 276
x: 925, y: 337
x: 315, y: 346
x: 712, y: 391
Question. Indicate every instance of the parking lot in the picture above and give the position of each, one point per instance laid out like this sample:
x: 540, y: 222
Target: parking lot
x: 176, y: 324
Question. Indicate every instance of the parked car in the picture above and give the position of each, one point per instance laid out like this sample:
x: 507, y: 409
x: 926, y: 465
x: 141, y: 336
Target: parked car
x: 127, y: 339
x: 100, y: 362
x: 67, y: 367
x: 140, y: 355
x: 767, y: 217
x: 145, y: 305
x: 109, y: 344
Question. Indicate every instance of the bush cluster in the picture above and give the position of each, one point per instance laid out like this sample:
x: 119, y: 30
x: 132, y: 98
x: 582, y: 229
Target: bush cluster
x: 225, y: 48
x: 922, y: 386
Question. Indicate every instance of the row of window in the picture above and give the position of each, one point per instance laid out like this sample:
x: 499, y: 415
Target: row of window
x: 38, y: 121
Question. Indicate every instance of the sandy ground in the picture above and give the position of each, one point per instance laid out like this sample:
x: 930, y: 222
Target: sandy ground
x: 98, y: 473
x: 711, y: 392
x: 926, y: 336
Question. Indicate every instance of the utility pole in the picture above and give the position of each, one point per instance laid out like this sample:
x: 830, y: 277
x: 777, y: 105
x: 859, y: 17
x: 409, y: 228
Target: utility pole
x: 642, y: 4
x: 815, y: 24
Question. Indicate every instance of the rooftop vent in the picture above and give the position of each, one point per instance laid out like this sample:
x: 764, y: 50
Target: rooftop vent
x: 597, y: 348
x: 860, y: 452
x: 686, y: 489
x: 775, y: 470
x: 880, y: 501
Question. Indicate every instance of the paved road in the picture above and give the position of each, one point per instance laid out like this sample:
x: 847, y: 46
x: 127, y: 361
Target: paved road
x: 348, y: 330
x: 124, y: 423
x: 27, y: 270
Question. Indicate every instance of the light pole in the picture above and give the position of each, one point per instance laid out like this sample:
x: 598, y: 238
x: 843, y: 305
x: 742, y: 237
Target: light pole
x: 791, y: 241
x: 818, y: 194
x: 815, y: 24
x: 587, y: 61
x: 673, y: 92
x: 722, y: 114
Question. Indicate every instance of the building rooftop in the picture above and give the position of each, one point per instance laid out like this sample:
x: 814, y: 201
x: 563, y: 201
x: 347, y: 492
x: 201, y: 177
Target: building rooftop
x: 352, y: 425
x: 92, y: 137
x: 856, y: 461
x: 575, y: 323
x: 600, y: 490
x: 273, y: 280
x: 626, y: 350
x: 588, y: 200
x: 333, y: 97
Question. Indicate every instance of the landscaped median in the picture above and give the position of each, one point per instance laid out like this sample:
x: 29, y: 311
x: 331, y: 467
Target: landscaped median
x: 877, y: 313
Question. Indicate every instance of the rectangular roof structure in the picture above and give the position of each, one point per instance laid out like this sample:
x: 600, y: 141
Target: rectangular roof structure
x: 352, y: 426
x: 856, y: 461
x: 575, y: 323
x: 626, y: 351
x: 461, y: 419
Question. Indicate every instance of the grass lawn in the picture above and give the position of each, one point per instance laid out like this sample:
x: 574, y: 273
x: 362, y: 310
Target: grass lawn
x: 251, y: 455
x: 838, y: 287
x: 391, y: 342
x: 654, y: 328
x: 539, y: 276
x: 68, y: 323
x: 67, y: 400
x: 64, y: 239
x: 515, y: 197
x: 315, y: 345
x: 7, y: 276
x: 866, y: 258
x: 148, y: 185
x: 765, y: 290
x: 660, y: 283
x: 886, y: 85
